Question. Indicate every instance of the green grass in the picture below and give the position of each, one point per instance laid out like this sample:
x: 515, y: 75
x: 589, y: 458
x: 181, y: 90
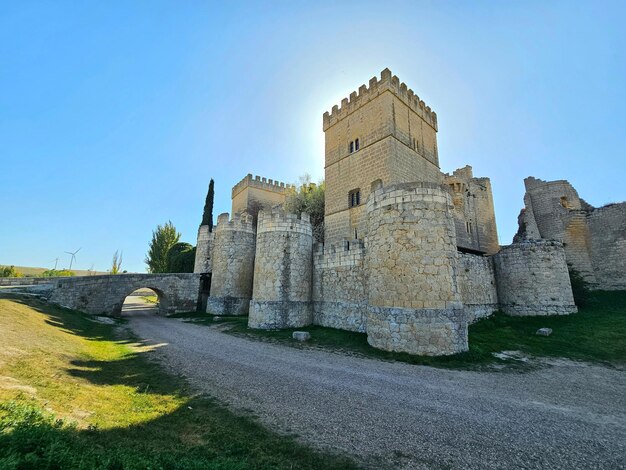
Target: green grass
x: 74, y: 394
x: 595, y: 334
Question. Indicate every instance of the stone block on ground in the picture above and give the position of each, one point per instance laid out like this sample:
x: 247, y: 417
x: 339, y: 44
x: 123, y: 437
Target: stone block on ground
x: 301, y: 335
x: 544, y: 331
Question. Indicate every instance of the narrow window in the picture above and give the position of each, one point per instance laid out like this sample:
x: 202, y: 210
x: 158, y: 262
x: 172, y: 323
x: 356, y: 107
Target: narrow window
x: 354, y: 198
x: 414, y: 142
x: 356, y: 144
x: 351, y: 147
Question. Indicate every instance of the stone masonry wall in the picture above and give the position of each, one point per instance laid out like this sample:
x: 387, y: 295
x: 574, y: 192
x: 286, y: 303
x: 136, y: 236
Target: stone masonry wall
x: 411, y: 261
x: 339, y: 286
x: 607, y: 226
x: 105, y: 294
x: 204, y: 250
x: 282, y: 273
x: 532, y: 279
x: 233, y: 265
x: 477, y: 285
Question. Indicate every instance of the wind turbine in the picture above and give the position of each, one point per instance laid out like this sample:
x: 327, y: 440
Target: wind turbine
x: 56, y: 260
x: 73, y: 258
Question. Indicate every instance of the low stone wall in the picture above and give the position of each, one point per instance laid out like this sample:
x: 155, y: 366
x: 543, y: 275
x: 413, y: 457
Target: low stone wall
x: 477, y: 285
x: 24, y: 281
x: 339, y: 286
x: 105, y: 294
x: 282, y: 272
x: 532, y: 279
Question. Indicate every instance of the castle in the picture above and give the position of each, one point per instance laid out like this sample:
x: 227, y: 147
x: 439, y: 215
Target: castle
x: 410, y: 255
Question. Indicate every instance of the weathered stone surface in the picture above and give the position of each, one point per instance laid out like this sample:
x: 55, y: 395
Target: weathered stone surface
x: 204, y: 250
x: 594, y: 238
x: 233, y: 265
x: 301, y: 335
x: 532, y: 279
x: 282, y: 273
x: 477, y: 285
x: 414, y: 303
x: 105, y: 294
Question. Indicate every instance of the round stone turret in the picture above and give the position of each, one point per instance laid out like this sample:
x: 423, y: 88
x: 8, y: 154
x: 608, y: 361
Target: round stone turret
x: 233, y: 265
x: 282, y: 272
x: 411, y: 258
x: 204, y: 250
x: 532, y: 279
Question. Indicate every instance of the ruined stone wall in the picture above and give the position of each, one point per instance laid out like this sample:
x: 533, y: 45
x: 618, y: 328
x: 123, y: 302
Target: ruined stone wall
x: 396, y: 132
x: 559, y: 214
x: 282, y: 272
x: 532, y: 279
x: 253, y: 193
x: 414, y: 304
x: 204, y: 250
x: 477, y: 285
x: 607, y: 226
x: 233, y: 265
x: 474, y: 215
x: 339, y: 286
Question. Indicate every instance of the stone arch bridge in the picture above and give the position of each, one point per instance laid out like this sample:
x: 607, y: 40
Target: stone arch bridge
x: 105, y: 294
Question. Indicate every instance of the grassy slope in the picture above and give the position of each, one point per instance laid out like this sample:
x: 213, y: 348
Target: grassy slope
x: 119, y: 410
x: 32, y: 271
x: 596, y: 334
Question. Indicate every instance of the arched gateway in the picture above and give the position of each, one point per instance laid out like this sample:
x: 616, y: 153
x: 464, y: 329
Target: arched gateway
x: 104, y: 295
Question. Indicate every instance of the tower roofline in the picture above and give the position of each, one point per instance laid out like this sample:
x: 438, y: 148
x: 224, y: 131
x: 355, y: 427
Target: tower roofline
x: 387, y: 82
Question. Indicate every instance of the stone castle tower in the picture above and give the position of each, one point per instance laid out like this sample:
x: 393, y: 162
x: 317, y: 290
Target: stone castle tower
x: 382, y: 135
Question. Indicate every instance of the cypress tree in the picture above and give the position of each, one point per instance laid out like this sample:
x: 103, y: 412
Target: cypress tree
x: 207, y: 215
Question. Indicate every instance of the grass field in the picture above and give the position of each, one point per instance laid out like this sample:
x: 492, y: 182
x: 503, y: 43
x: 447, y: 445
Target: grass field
x: 594, y: 334
x: 34, y: 272
x: 74, y: 394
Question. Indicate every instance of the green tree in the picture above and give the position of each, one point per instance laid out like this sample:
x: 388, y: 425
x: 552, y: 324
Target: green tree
x: 116, y: 264
x: 58, y: 273
x: 9, y: 271
x: 163, y: 238
x: 207, y: 215
x: 309, y: 198
x: 181, y: 258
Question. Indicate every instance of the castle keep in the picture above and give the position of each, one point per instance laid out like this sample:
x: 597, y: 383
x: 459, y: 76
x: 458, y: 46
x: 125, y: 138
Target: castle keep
x: 410, y: 255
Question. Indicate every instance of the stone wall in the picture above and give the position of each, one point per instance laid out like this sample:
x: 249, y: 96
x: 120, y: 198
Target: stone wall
x: 204, y: 250
x: 414, y: 304
x: 105, y: 294
x: 532, y: 279
x: 474, y: 215
x: 477, y: 285
x: 24, y: 281
x: 233, y: 265
x: 282, y: 272
x: 607, y: 226
x: 339, y: 286
x: 594, y: 238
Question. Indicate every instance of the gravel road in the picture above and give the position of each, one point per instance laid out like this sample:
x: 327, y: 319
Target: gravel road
x: 392, y: 415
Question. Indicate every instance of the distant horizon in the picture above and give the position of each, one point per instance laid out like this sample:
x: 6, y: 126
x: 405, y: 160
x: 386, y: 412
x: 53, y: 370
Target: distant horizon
x: 114, y: 117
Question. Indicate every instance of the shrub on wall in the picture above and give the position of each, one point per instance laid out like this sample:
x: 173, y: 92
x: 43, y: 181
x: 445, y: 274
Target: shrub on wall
x: 309, y: 198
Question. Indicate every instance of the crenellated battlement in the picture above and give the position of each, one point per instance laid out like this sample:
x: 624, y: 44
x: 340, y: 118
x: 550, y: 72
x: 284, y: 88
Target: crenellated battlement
x: 277, y: 220
x: 365, y: 94
x: 262, y: 183
x: 239, y: 222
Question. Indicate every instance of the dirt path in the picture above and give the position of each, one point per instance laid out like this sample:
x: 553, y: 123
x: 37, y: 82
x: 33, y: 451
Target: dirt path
x: 568, y: 415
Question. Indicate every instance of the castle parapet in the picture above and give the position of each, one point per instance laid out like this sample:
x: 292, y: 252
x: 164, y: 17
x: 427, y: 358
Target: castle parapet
x: 239, y: 222
x: 387, y: 82
x: 262, y: 183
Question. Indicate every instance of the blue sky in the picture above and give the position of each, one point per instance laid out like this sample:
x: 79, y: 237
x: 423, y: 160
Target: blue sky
x: 115, y: 115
